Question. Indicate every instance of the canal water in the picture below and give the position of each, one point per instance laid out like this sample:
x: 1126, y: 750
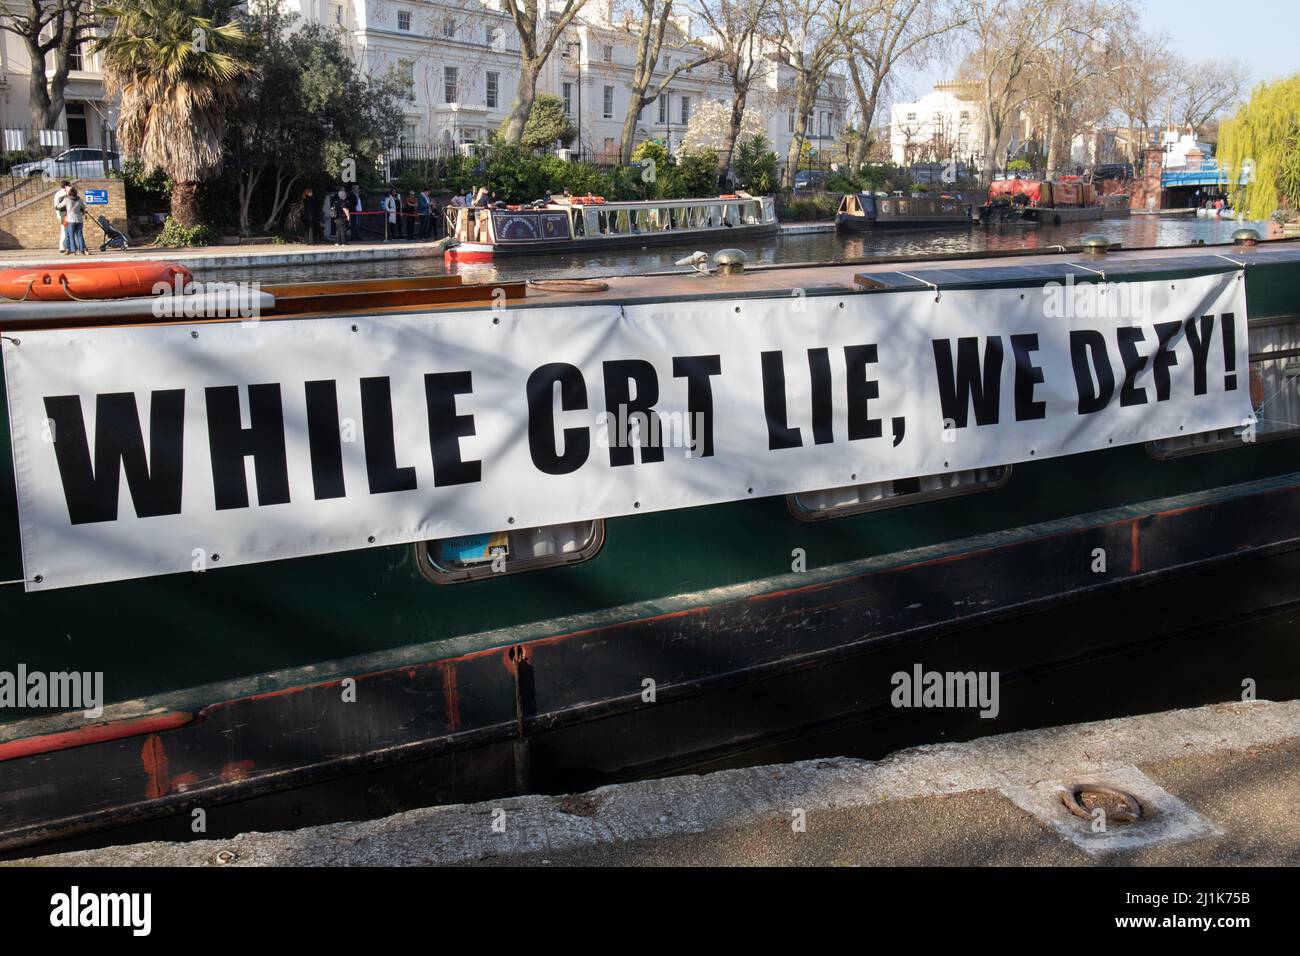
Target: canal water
x: 1131, y: 232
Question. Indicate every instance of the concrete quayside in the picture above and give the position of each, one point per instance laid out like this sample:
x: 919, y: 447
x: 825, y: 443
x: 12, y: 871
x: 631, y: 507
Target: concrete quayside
x: 1218, y: 784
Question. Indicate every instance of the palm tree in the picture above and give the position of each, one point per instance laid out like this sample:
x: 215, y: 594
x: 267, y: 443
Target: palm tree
x: 178, y: 67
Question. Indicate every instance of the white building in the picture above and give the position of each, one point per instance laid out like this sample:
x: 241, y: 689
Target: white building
x: 86, y: 110
x: 462, y: 61
x: 945, y: 124
x: 1178, y: 143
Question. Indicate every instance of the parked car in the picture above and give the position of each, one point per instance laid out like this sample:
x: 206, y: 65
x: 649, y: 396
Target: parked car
x: 79, y: 163
x: 810, y: 179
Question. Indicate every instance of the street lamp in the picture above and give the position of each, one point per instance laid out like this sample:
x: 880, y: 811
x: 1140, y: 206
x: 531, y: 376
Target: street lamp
x: 568, y: 48
x: 820, y: 117
x: 667, y: 111
x: 109, y: 117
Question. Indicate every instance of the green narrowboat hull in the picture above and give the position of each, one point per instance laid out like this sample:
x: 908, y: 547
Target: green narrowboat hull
x: 220, y: 686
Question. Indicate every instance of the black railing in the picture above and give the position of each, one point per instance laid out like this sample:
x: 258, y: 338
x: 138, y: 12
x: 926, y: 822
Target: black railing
x: 33, y: 158
x: 430, y: 158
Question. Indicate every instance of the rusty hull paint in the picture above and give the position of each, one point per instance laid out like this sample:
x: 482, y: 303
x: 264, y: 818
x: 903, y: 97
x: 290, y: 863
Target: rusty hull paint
x: 585, y: 685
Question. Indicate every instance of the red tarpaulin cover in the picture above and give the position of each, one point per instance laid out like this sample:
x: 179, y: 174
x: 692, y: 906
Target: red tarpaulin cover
x: 1066, y: 194
x: 1032, y: 188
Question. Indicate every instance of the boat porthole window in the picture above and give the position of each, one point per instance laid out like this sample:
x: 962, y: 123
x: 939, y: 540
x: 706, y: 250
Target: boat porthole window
x: 478, y: 556
x: 1274, y: 395
x: 882, y: 495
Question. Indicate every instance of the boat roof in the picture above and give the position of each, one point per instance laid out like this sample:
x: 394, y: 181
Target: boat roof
x: 560, y: 203
x: 874, y: 275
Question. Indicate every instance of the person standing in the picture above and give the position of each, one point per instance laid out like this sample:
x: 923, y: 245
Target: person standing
x: 425, y: 205
x: 74, y: 215
x: 390, y: 215
x: 310, y: 216
x: 411, y: 215
x: 341, y: 216
x: 59, y: 195
x: 437, y: 218
x: 357, y: 208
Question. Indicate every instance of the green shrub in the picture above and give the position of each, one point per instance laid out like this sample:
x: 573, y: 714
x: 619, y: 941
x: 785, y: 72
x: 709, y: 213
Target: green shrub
x: 626, y: 183
x: 547, y: 124
x: 884, y: 176
x: 520, y: 175
x: 144, y: 194
x: 818, y: 207
x: 175, y: 235
x: 698, y: 169
x: 651, y: 149
x: 756, y: 165
x: 579, y: 178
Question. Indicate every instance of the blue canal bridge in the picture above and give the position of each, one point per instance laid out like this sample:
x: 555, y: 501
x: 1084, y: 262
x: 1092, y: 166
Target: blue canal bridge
x: 1210, y: 174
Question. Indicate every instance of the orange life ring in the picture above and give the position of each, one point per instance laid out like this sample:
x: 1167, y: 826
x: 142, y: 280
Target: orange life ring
x: 89, y: 280
x: 728, y: 196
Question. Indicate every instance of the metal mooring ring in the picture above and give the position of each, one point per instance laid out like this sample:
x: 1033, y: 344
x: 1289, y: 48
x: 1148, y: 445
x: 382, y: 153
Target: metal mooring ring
x: 1070, y: 796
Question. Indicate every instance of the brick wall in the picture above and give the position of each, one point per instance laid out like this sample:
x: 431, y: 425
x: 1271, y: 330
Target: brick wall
x: 32, y: 223
x: 1147, y: 193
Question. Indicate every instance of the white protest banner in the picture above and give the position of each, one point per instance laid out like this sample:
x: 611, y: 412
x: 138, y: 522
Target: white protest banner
x: 138, y: 449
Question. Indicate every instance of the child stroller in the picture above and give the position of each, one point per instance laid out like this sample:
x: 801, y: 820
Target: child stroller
x: 111, y: 236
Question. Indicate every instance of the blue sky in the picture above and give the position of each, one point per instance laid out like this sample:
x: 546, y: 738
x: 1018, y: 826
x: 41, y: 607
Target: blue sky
x: 1266, y: 38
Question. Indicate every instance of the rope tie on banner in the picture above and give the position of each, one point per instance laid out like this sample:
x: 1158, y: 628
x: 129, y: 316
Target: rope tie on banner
x: 10, y: 338
x: 1280, y: 389
x: 924, y: 282
x: 1239, y: 265
x: 1098, y: 272
x: 22, y: 581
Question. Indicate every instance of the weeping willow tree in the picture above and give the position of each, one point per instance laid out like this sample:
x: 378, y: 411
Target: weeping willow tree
x: 1263, y: 140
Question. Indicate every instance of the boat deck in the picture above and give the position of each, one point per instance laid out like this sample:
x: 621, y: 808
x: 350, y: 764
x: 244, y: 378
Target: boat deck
x: 448, y: 293
x: 897, y: 273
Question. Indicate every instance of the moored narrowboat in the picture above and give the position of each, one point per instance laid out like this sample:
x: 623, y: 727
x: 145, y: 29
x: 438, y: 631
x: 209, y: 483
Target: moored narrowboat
x: 582, y: 536
x: 866, y: 211
x: 1039, y: 201
x: 589, y: 223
